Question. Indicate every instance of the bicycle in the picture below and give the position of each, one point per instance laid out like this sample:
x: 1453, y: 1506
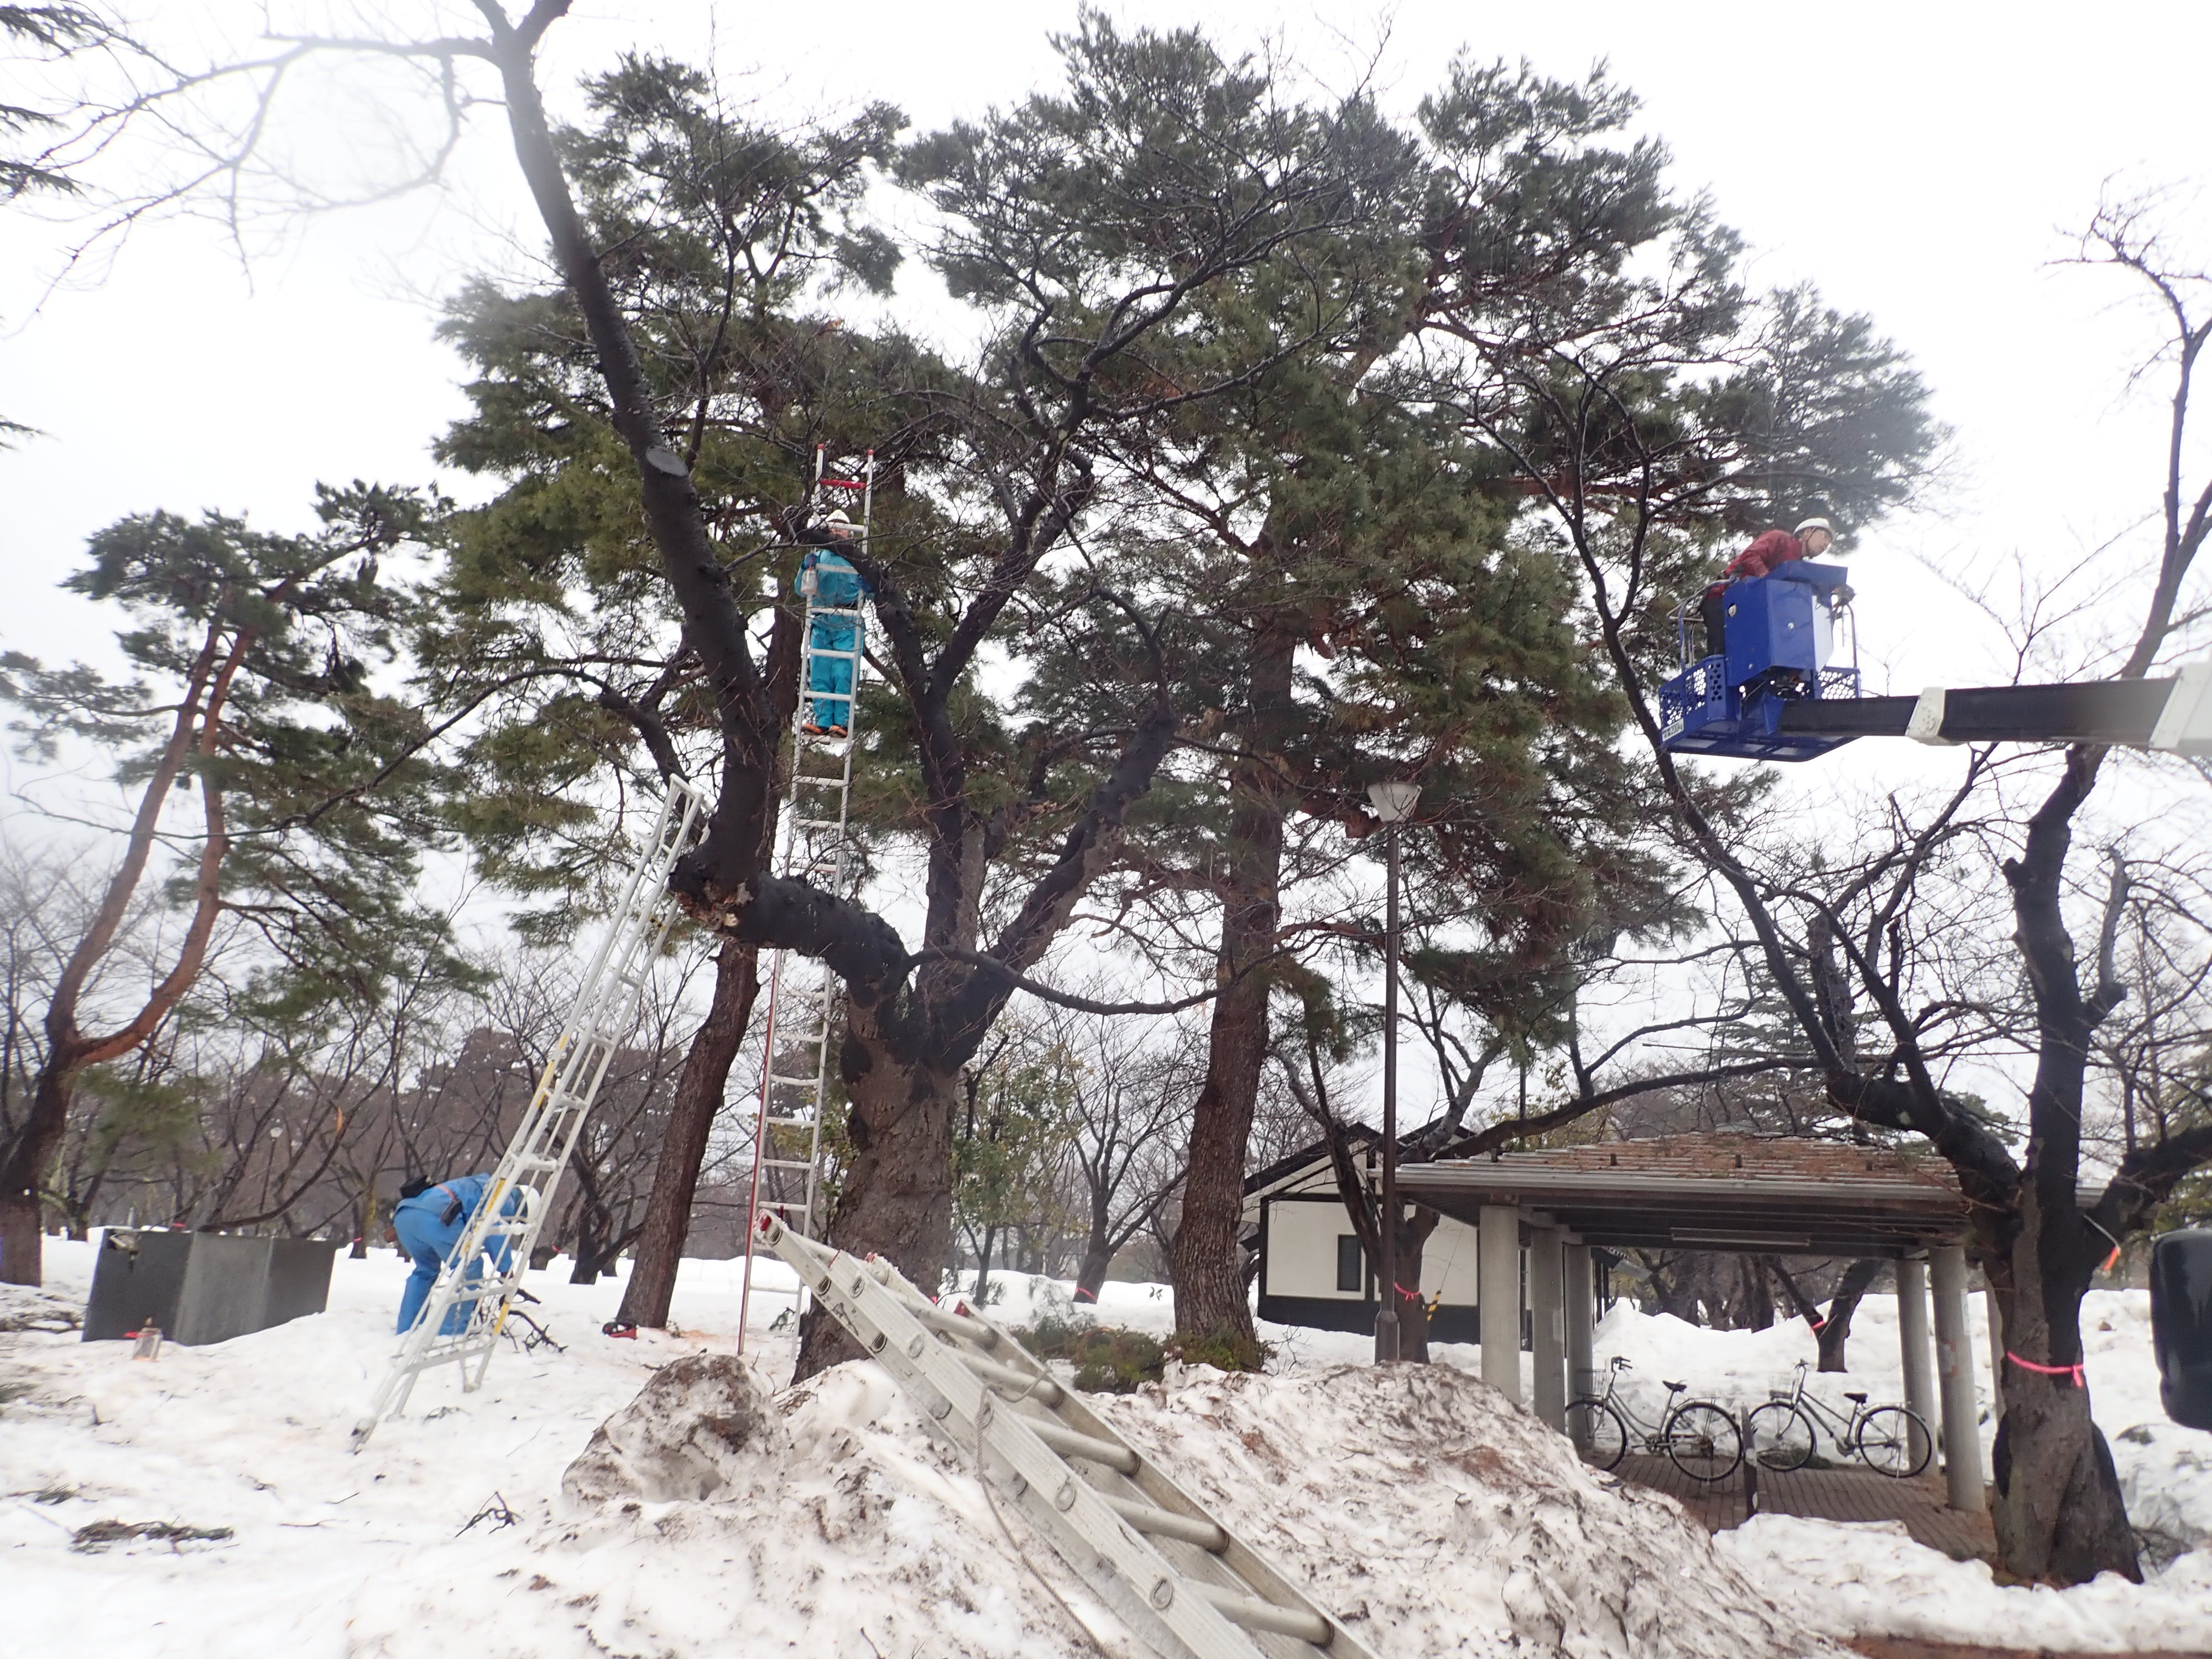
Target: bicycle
x: 1890, y: 1440
x: 1699, y: 1437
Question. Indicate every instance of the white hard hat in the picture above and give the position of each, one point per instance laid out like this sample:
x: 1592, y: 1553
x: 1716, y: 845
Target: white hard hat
x: 1814, y: 524
x: 839, y: 517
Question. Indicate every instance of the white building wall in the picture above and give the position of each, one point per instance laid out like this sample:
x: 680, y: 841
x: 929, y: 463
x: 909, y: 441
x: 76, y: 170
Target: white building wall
x: 1301, y: 1238
x: 1448, y: 1264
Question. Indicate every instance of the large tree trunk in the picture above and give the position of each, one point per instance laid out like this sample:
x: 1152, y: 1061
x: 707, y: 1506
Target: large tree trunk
x: 1834, y: 1330
x: 896, y: 1199
x: 366, y: 1222
x: 1757, y: 1312
x: 37, y: 1141
x: 1209, y: 1282
x: 1097, y: 1252
x: 699, y: 1093
x: 2059, y: 1515
x: 2059, y: 1512
x: 983, y: 1265
x: 1414, y: 1232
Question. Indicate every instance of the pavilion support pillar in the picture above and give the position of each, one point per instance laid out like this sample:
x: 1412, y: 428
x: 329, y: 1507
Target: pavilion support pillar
x: 1917, y: 1355
x: 1954, y: 1372
x: 1548, y: 1249
x: 1582, y: 1322
x: 1497, y: 1267
x: 1995, y: 1316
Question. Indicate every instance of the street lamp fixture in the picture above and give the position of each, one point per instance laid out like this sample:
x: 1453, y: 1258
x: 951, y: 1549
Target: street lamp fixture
x: 1393, y: 804
x: 1394, y: 801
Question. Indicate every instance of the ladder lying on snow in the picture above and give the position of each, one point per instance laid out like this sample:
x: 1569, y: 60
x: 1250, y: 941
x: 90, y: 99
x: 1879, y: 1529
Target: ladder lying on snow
x: 802, y: 992
x: 606, y: 1003
x: 1170, y: 1571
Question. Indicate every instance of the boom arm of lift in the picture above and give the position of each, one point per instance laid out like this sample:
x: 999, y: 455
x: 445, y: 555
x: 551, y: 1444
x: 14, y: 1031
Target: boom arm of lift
x: 2173, y: 714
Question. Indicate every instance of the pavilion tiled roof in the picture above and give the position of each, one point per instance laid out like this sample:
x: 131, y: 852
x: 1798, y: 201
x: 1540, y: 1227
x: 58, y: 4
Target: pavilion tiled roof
x: 1731, y: 1157
x: 1713, y: 1191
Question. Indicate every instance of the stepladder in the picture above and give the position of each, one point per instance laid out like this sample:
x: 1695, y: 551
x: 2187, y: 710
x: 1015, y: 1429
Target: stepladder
x: 466, y: 1311
x: 814, y: 846
x: 1171, y: 1571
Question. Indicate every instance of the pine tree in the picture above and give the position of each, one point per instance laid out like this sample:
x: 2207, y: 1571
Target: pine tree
x: 254, y: 659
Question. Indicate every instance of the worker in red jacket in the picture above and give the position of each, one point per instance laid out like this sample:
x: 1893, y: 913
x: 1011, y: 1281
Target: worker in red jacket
x: 1777, y: 547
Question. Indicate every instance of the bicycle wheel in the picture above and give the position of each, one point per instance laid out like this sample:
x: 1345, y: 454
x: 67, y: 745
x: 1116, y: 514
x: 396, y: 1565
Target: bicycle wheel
x: 1782, y: 1437
x: 1599, y: 1434
x: 1703, y: 1442
x: 1894, y: 1442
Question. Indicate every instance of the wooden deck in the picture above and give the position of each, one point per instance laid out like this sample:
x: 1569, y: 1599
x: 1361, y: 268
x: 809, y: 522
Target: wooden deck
x: 1836, y: 1494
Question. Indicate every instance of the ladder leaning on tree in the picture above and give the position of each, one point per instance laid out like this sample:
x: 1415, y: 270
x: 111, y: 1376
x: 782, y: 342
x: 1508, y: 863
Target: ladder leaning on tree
x: 1174, y: 1574
x: 606, y: 1004
x: 802, y: 992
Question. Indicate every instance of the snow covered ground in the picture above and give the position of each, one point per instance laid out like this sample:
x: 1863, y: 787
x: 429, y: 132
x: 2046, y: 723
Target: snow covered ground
x: 1431, y: 1516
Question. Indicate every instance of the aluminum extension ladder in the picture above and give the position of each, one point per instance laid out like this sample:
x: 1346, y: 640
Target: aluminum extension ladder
x: 802, y: 992
x: 1168, y: 1570
x: 606, y: 1004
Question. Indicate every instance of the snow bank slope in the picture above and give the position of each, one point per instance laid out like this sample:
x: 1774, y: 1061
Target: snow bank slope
x: 1861, y: 1579
x: 1436, y: 1519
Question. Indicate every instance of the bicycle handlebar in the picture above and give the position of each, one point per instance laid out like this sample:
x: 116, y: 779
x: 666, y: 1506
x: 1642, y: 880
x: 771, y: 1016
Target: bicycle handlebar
x: 1620, y: 1363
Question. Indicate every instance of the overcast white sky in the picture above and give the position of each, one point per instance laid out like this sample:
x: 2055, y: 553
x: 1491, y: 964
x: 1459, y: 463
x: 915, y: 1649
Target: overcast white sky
x: 1925, y: 163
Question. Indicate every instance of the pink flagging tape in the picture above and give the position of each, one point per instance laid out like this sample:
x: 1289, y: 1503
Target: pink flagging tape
x: 2073, y: 1371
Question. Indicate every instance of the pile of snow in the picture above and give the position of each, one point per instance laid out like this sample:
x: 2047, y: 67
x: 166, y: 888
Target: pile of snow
x: 1433, y: 1518
x: 701, y: 1517
x: 708, y: 1514
x: 1861, y: 1579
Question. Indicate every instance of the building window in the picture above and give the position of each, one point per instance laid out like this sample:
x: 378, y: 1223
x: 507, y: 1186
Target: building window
x: 1351, y: 1263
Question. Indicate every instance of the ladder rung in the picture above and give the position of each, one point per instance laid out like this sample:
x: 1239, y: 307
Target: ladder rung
x: 791, y: 1123
x: 1070, y: 1443
x: 1166, y: 1524
x: 800, y: 1163
x: 1252, y: 1613
x: 796, y: 1082
x: 1025, y: 1384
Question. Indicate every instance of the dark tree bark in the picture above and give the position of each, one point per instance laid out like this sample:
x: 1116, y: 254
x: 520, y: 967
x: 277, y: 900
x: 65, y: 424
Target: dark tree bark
x: 699, y: 1093
x: 1832, y: 1328
x: 1209, y: 1282
x: 1835, y: 1329
x: 1091, y: 1272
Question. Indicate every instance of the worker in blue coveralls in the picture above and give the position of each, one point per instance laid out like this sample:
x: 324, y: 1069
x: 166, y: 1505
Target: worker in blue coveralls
x: 427, y: 1223
x: 827, y: 577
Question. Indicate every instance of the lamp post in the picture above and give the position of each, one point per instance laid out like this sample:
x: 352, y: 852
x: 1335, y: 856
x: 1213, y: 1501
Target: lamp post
x: 1394, y: 805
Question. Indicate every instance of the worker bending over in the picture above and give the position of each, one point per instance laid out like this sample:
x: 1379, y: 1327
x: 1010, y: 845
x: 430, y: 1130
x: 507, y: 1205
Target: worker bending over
x: 426, y: 1224
x: 1812, y: 538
